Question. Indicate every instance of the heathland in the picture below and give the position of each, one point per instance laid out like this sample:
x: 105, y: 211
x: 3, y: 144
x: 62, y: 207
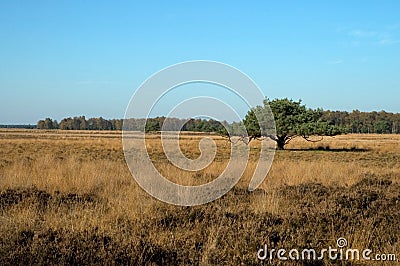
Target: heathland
x: 67, y: 197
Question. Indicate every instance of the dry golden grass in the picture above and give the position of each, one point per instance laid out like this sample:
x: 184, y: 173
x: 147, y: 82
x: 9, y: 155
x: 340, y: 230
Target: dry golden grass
x: 68, y: 197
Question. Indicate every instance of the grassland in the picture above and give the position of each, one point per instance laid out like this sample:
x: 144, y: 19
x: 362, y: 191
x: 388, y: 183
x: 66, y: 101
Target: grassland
x: 67, y: 197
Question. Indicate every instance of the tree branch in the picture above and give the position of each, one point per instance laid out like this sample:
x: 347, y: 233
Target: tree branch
x: 308, y: 139
x: 289, y: 138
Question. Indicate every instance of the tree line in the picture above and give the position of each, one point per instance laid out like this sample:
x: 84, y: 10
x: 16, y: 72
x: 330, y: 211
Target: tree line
x: 364, y: 122
x: 134, y: 124
x: 19, y: 126
x: 80, y: 123
x: 351, y: 122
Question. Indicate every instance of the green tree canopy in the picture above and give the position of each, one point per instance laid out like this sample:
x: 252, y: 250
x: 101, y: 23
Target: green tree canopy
x: 292, y: 119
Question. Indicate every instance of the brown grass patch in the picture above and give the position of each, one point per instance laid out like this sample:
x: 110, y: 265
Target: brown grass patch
x: 67, y: 197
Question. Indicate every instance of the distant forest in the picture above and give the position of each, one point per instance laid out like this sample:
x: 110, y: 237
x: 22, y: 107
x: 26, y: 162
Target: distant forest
x: 364, y: 122
x: 19, y: 126
x: 150, y: 124
x: 355, y: 122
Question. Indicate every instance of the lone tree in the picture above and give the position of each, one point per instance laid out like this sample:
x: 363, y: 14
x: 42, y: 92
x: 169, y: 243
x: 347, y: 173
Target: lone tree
x: 292, y: 119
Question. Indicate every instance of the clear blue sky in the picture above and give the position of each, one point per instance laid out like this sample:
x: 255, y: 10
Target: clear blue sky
x: 70, y: 58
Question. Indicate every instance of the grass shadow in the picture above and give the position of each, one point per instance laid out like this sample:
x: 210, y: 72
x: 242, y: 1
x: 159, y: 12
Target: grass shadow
x: 329, y: 149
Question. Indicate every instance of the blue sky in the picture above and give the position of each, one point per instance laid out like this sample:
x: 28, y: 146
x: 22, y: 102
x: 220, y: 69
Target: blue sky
x: 70, y: 58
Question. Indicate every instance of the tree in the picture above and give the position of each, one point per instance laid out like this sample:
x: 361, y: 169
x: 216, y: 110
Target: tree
x: 79, y: 123
x: 40, y: 124
x: 383, y: 127
x: 152, y: 125
x: 292, y: 119
x: 66, y: 124
x: 48, y: 123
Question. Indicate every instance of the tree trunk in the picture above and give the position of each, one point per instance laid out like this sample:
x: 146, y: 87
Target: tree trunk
x: 281, y: 141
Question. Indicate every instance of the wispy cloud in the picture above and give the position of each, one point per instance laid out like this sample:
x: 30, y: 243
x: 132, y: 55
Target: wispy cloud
x: 362, y: 33
x: 387, y: 41
x: 374, y: 37
x: 335, y: 62
x: 394, y: 27
x: 386, y: 38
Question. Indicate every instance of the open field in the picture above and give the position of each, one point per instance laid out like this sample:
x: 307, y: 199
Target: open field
x: 67, y: 197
